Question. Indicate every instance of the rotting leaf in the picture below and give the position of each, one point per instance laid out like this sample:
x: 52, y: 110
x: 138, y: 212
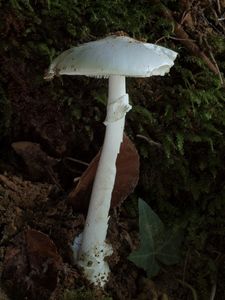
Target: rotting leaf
x: 31, y: 265
x: 158, y: 245
x: 127, y: 176
x: 39, y: 165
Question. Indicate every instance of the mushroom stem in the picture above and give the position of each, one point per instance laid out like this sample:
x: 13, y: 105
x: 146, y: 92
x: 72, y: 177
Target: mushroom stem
x: 93, y: 248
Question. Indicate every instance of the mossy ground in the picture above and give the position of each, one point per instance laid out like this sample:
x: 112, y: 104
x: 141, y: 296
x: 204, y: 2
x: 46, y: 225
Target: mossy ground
x: 177, y: 122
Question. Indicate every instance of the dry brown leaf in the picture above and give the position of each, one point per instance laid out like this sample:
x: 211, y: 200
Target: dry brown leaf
x: 38, y: 163
x: 31, y: 265
x: 127, y: 176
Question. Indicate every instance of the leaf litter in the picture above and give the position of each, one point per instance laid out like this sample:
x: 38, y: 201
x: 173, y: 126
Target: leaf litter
x: 37, y: 227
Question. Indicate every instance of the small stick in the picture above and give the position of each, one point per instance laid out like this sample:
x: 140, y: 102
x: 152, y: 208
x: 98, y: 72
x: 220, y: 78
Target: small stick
x: 194, y: 294
x: 150, y: 141
x: 77, y: 161
x: 213, y: 292
x: 218, y: 6
x: 185, y: 40
x: 173, y: 38
x: 215, y: 63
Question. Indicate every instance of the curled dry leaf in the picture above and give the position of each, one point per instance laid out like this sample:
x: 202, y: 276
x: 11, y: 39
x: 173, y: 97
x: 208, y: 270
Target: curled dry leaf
x: 127, y: 176
x: 39, y: 165
x: 31, y: 265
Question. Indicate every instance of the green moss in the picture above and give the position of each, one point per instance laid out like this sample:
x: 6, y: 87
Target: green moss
x: 182, y: 174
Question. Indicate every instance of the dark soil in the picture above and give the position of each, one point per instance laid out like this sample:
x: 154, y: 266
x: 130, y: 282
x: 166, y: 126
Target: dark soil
x: 38, y: 225
x: 37, y: 228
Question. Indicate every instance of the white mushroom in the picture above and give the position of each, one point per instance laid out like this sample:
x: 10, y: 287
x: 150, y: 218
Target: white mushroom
x: 114, y: 57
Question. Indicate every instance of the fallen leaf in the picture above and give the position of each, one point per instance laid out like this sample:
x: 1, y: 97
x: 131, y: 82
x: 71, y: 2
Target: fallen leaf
x: 38, y: 163
x: 31, y: 265
x: 127, y: 176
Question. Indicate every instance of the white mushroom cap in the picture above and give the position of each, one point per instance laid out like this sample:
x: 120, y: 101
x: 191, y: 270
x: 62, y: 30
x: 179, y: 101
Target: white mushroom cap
x: 114, y: 55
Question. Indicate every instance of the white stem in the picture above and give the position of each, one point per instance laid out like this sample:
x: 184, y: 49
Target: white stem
x: 93, y: 248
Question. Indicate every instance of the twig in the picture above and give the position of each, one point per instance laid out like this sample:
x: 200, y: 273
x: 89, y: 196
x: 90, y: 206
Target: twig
x: 150, y: 141
x: 214, y: 61
x: 213, y: 292
x: 219, y: 73
x: 53, y: 177
x: 185, y: 40
x: 184, y: 16
x: 218, y: 6
x: 77, y: 161
x: 194, y: 293
x: 222, y: 17
x: 172, y: 38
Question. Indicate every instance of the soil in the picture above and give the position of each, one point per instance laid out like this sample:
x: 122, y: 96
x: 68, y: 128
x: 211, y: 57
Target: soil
x: 37, y: 226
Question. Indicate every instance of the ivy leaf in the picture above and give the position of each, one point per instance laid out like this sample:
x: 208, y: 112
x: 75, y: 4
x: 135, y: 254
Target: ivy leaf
x: 168, y: 248
x: 157, y: 244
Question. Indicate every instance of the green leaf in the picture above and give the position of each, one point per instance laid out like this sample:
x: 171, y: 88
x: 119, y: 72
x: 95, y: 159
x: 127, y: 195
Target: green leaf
x: 168, y: 248
x: 157, y: 244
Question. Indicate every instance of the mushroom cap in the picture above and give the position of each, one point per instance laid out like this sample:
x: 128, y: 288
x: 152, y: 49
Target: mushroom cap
x: 113, y: 55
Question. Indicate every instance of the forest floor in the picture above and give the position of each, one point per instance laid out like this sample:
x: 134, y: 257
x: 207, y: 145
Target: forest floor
x: 37, y: 227
x: 37, y: 221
